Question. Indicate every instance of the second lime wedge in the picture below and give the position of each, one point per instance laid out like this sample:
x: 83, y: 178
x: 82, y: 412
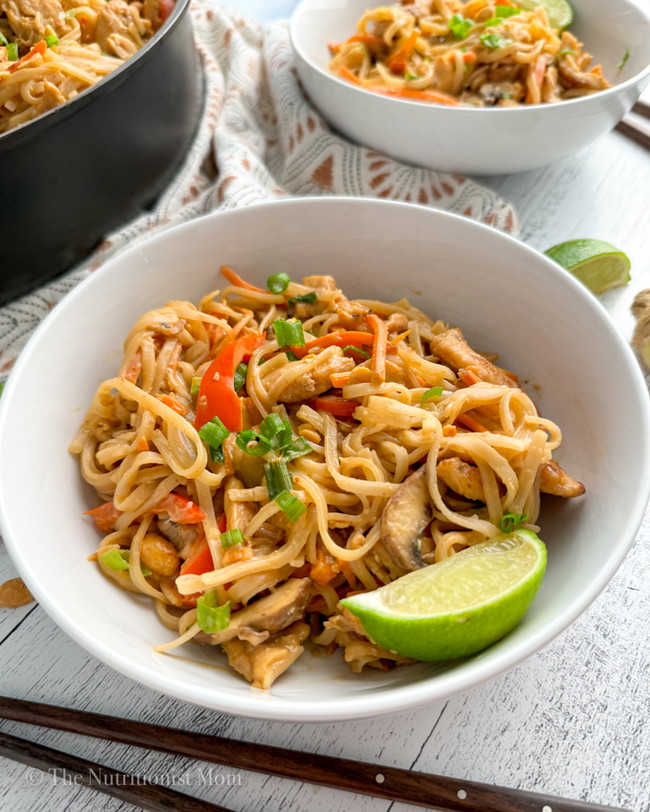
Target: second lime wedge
x: 597, y: 264
x: 458, y: 606
x: 560, y: 13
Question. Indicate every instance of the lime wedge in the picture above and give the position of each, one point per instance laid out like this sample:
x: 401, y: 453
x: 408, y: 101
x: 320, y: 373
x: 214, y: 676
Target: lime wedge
x: 458, y: 606
x: 597, y: 264
x: 560, y: 13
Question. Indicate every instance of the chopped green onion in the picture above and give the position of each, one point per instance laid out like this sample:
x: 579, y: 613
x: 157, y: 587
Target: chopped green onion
x: 240, y: 376
x: 253, y: 443
x: 214, y: 433
x: 494, y: 41
x: 69, y: 14
x: 271, y: 425
x: 195, y: 387
x: 290, y: 505
x: 564, y: 52
x: 120, y: 560
x: 306, y: 298
x: 511, y: 521
x: 434, y: 392
x: 3, y: 39
x: 12, y: 51
x: 231, y: 538
x: 411, y: 77
x: 352, y: 348
x: 493, y: 21
x: 292, y: 356
x: 278, y: 478
x: 506, y: 11
x: 289, y: 333
x: 51, y: 40
x: 216, y: 454
x: 211, y: 617
x: 623, y: 61
x: 459, y: 26
x: 296, y: 449
x: 278, y: 282
x: 2, y: 386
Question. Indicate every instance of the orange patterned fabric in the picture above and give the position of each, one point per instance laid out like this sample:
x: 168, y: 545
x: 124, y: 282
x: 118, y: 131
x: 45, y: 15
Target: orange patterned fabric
x: 258, y: 139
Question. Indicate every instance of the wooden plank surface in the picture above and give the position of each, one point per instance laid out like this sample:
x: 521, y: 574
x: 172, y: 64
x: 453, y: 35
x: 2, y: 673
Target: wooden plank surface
x: 573, y: 720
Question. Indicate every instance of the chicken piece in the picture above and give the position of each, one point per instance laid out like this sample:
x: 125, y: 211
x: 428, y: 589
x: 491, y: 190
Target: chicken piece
x: 157, y: 11
x: 114, y: 31
x: 321, y: 284
x: 261, y: 665
x: 405, y: 518
x: 324, y: 282
x: 317, y: 380
x: 238, y: 514
x: 454, y: 351
x: 462, y: 478
x: 556, y: 481
x: 351, y: 314
x: 276, y: 611
x: 29, y: 18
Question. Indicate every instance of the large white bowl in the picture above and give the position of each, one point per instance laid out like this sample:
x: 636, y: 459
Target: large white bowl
x: 506, y: 297
x: 481, y: 141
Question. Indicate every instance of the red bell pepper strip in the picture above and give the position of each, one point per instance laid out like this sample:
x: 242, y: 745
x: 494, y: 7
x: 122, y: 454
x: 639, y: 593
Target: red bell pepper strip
x: 217, y: 396
x: 336, y: 406
x: 201, y: 559
x: 180, y: 509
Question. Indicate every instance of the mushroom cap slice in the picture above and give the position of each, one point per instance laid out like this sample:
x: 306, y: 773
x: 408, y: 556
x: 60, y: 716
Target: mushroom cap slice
x: 405, y: 518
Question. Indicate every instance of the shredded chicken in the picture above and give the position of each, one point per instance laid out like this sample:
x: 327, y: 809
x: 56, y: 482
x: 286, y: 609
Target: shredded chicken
x: 452, y: 348
x: 462, y: 478
x: 358, y: 649
x: 317, y: 380
x: 30, y: 18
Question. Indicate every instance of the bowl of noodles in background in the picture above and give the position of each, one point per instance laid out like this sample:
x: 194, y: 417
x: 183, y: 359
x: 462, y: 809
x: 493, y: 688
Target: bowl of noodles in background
x: 98, y: 105
x: 488, y: 132
x: 526, y: 313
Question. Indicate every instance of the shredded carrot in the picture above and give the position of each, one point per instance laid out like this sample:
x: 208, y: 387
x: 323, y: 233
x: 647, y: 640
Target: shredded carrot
x: 433, y: 96
x: 334, y: 49
x: 339, y: 379
x: 470, y: 422
x: 172, y: 402
x: 449, y: 431
x: 370, y: 41
x: 538, y: 76
x: 420, y: 380
x: 325, y: 569
x: 469, y: 56
x: 236, y: 280
x: 347, y: 74
x: 143, y: 445
x: 468, y: 377
x: 92, y: 557
x: 397, y: 62
x: 134, y: 368
x: 39, y: 48
x: 380, y: 330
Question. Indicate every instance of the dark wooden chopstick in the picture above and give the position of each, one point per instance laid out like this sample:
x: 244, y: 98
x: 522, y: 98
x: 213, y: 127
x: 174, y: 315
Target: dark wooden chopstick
x: 628, y: 128
x: 422, y: 789
x: 129, y: 788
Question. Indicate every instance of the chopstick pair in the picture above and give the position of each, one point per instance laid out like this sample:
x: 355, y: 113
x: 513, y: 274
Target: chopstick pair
x: 631, y: 130
x: 421, y: 789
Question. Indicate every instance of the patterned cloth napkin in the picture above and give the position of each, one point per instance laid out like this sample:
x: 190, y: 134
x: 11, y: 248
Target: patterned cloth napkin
x: 258, y: 139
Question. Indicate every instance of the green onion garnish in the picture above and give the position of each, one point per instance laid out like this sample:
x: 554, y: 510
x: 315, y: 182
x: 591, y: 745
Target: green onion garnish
x: 292, y: 356
x: 253, y: 443
x: 214, y: 433
x: 278, y: 282
x: 3, y: 39
x: 306, y: 298
x: 459, y: 26
x: 352, y: 348
x: 271, y: 425
x: 2, y: 386
x: 278, y: 478
x: 506, y: 11
x: 564, y: 51
x: 298, y: 448
x: 51, y: 40
x: 120, y: 560
x: 231, y: 538
x: 216, y: 454
x: 289, y: 333
x: 492, y: 21
x: 623, y: 61
x: 195, y: 387
x: 511, y: 521
x: 210, y: 616
x: 240, y: 376
x: 434, y: 392
x: 12, y: 51
x: 69, y: 14
x: 410, y: 76
x: 290, y: 505
x: 494, y: 41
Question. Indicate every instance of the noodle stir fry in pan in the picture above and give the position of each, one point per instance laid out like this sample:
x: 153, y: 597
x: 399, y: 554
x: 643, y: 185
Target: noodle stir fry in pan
x: 269, y: 452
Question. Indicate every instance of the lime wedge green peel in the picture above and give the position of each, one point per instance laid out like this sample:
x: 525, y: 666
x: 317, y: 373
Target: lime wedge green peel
x: 597, y: 264
x: 560, y: 13
x: 458, y: 606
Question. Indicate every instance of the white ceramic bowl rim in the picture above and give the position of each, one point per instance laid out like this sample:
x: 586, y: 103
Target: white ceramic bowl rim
x: 403, y: 697
x: 467, y: 109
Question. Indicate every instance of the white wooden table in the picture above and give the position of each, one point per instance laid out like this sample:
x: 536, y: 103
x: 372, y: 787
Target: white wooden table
x: 573, y: 720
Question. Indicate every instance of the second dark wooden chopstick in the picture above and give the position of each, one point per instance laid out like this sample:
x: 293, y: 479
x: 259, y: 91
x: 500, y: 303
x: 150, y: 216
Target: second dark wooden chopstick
x: 422, y: 789
x: 629, y: 129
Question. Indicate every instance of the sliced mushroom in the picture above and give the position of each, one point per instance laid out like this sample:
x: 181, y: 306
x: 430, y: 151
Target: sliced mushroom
x: 272, y: 613
x: 556, y: 481
x: 238, y: 514
x: 249, y: 469
x: 182, y: 536
x: 462, y: 478
x: 263, y: 664
x: 453, y: 350
x: 405, y: 518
